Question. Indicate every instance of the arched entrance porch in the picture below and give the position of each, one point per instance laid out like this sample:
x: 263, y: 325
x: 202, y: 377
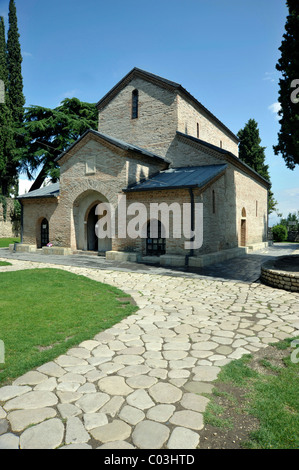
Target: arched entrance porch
x: 84, y: 223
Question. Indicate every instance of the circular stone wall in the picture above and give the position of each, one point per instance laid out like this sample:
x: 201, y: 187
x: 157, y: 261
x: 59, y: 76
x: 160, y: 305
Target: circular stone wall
x: 282, y: 272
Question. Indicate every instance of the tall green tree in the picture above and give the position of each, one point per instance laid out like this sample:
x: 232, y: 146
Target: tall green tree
x: 14, y: 66
x: 7, y: 144
x: 48, y: 132
x: 288, y: 65
x: 253, y: 154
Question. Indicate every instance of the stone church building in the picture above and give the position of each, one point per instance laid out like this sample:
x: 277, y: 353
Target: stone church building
x: 155, y: 143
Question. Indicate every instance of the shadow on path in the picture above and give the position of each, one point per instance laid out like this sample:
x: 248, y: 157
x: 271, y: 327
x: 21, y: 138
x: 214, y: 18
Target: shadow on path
x: 245, y: 269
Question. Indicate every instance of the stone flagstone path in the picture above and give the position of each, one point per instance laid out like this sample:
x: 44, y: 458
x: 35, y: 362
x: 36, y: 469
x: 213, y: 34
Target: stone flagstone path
x: 140, y: 384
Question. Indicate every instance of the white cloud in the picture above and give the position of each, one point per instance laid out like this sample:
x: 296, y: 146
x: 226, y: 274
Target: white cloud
x: 269, y: 76
x: 27, y: 54
x: 275, y: 108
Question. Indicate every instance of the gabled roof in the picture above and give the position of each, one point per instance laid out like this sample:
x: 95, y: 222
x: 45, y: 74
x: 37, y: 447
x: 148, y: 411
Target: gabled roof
x: 52, y: 190
x: 117, y: 142
x: 164, y: 83
x: 179, y: 178
x: 228, y: 156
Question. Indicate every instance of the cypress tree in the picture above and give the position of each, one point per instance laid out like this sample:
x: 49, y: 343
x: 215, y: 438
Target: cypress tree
x: 7, y: 166
x: 14, y: 65
x: 253, y: 154
x: 288, y: 65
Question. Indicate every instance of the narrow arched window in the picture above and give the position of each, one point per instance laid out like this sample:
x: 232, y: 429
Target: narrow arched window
x: 197, y: 130
x: 213, y: 202
x: 134, y: 104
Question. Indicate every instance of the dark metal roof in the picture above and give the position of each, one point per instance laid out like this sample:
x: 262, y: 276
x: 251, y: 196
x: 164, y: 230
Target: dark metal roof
x: 226, y: 153
x: 117, y: 142
x: 163, y: 82
x: 47, y: 191
x: 178, y: 178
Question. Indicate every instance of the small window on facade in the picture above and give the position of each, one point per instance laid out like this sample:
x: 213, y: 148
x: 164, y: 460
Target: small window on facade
x: 197, y: 130
x: 221, y: 144
x: 213, y: 202
x: 134, y: 104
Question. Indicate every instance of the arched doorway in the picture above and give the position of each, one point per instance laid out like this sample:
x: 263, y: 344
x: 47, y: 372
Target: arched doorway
x: 243, y: 228
x: 155, y: 246
x: 84, y: 222
x: 93, y: 242
x: 44, y: 232
x: 92, y: 239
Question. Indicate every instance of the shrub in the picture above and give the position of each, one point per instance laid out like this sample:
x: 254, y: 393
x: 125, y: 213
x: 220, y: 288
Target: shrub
x: 280, y: 233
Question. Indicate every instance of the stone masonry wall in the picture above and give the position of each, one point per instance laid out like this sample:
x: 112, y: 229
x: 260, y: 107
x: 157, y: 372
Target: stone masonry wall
x: 160, y: 114
x: 188, y: 118
x: 8, y: 228
x: 156, y: 124
x: 114, y: 169
x: 252, y: 196
x: 34, y: 212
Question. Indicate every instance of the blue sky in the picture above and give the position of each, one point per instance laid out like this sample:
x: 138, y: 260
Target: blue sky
x: 223, y: 52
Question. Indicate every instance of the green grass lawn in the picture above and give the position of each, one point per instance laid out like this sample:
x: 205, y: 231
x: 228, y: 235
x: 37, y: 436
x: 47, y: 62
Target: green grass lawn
x: 271, y: 395
x: 5, y: 242
x: 4, y: 263
x: 43, y: 312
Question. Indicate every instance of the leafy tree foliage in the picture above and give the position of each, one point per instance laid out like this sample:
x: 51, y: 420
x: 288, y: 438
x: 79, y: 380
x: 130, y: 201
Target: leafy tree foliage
x: 14, y: 66
x: 48, y: 132
x: 253, y: 154
x: 7, y: 143
x: 288, y: 65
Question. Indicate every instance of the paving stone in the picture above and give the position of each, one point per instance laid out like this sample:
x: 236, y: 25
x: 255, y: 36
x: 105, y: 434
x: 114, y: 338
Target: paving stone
x: 76, y: 447
x: 205, y: 373
x: 75, y: 432
x: 131, y: 371
x: 160, y: 413
x: 31, y: 400
x: 79, y: 352
x: 178, y: 374
x: 71, y: 377
x: 9, y: 441
x: 3, y: 426
x: 128, y: 359
x: 187, y: 419
x: 141, y: 381
x: 150, y: 435
x: 114, y: 385
x: 92, y: 402
x: 67, y: 410
x: 94, y: 420
x: 52, y: 369
x: 183, y: 438
x: 89, y: 344
x: 116, y: 445
x: 31, y: 378
x: 46, y: 435
x: 21, y: 419
x: 113, y: 406
x: 131, y: 415
x: 165, y: 393
x: 68, y: 397
x: 68, y: 387
x: 2, y: 412
x: 117, y: 430
x: 11, y: 391
x: 48, y: 385
x: 66, y: 360
x: 140, y: 399
x: 194, y: 402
